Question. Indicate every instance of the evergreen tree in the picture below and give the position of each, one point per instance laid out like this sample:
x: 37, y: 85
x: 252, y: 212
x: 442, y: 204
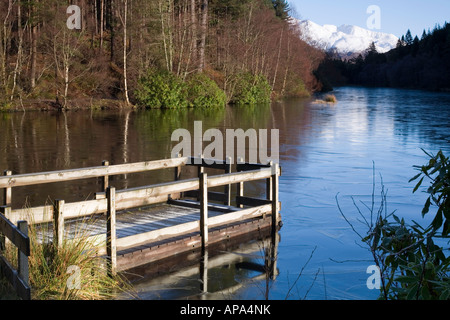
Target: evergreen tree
x: 408, y: 38
x: 372, y: 53
x: 403, y: 41
x: 424, y: 35
x: 372, y: 48
x: 415, y: 46
x: 281, y: 8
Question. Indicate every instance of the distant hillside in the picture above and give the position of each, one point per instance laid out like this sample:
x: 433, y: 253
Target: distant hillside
x: 345, y: 41
x: 414, y: 63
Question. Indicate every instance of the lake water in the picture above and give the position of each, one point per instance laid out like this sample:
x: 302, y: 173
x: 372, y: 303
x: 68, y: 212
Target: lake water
x: 327, y: 152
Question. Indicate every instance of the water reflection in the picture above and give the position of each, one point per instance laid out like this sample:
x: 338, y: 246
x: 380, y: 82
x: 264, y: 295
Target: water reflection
x: 218, y: 272
x: 324, y: 150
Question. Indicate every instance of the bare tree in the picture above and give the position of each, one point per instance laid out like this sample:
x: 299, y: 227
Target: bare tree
x: 34, y: 35
x: 203, y: 32
x: 125, y: 43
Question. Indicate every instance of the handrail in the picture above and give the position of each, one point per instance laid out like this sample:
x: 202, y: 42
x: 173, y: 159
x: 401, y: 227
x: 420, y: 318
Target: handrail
x: 132, y: 195
x: 18, y: 236
x: 85, y: 173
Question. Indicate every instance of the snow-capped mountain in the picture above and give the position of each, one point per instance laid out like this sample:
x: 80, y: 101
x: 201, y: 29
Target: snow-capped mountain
x: 346, y: 40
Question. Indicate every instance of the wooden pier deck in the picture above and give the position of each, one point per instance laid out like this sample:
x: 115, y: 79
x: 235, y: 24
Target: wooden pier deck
x: 135, y: 226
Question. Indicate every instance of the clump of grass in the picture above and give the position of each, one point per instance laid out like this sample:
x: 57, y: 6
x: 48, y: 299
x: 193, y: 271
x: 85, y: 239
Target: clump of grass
x: 331, y: 98
x: 328, y: 99
x: 71, y: 271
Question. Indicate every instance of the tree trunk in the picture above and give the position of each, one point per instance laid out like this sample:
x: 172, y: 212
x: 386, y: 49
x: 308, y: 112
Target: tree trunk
x: 18, y: 66
x: 34, y: 35
x: 102, y: 6
x: 111, y: 28
x: 278, y: 59
x: 5, y: 46
x: 194, y: 28
x: 204, y: 30
x: 125, y: 83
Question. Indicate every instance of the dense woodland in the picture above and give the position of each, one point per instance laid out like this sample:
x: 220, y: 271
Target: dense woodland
x: 415, y: 63
x: 124, y: 45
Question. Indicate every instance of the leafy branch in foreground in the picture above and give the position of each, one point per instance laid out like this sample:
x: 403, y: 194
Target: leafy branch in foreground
x: 438, y: 171
x: 411, y: 264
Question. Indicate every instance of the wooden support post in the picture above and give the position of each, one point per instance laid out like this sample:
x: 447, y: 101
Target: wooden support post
x: 7, y: 191
x: 58, y: 223
x: 22, y: 257
x: 228, y: 186
x: 105, y: 179
x: 241, y: 184
x: 275, y: 199
x: 201, y: 170
x: 204, y: 271
x: 273, y: 256
x: 204, y: 209
x: 111, y: 230
x: 269, y: 185
x: 177, y: 178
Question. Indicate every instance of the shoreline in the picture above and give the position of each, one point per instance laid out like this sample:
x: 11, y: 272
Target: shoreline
x: 73, y: 105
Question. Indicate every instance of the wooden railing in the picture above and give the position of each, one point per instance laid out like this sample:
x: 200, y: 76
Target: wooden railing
x: 110, y: 200
x: 17, y: 236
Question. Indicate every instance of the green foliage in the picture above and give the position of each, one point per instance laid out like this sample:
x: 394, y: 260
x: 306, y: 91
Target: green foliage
x: 412, y: 263
x: 438, y: 171
x: 251, y: 89
x: 281, y: 8
x: 299, y: 90
x: 161, y: 89
x: 204, y: 92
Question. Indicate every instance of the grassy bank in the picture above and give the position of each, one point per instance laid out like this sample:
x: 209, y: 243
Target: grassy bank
x: 72, y: 271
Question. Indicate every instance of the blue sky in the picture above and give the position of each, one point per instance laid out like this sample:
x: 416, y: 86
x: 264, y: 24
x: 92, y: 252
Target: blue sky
x: 397, y: 16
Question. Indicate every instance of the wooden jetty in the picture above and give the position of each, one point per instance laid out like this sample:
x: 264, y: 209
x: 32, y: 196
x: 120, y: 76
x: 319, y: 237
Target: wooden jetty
x: 144, y: 224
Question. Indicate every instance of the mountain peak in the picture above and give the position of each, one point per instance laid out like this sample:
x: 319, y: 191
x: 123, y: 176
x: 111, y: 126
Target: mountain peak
x: 346, y: 39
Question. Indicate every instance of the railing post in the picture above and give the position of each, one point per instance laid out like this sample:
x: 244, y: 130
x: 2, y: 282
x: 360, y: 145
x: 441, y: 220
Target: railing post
x: 4, y: 241
x: 22, y: 257
x: 200, y: 171
x: 228, y: 186
x: 7, y: 191
x: 177, y: 175
x: 275, y: 199
x: 269, y: 185
x: 241, y: 184
x: 111, y: 230
x: 105, y: 179
x: 22, y: 264
x: 204, y: 209
x: 58, y: 222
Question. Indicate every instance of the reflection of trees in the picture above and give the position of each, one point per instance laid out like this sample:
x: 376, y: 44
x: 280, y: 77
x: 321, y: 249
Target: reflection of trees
x: 37, y: 142
x: 255, y: 116
x: 294, y: 119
